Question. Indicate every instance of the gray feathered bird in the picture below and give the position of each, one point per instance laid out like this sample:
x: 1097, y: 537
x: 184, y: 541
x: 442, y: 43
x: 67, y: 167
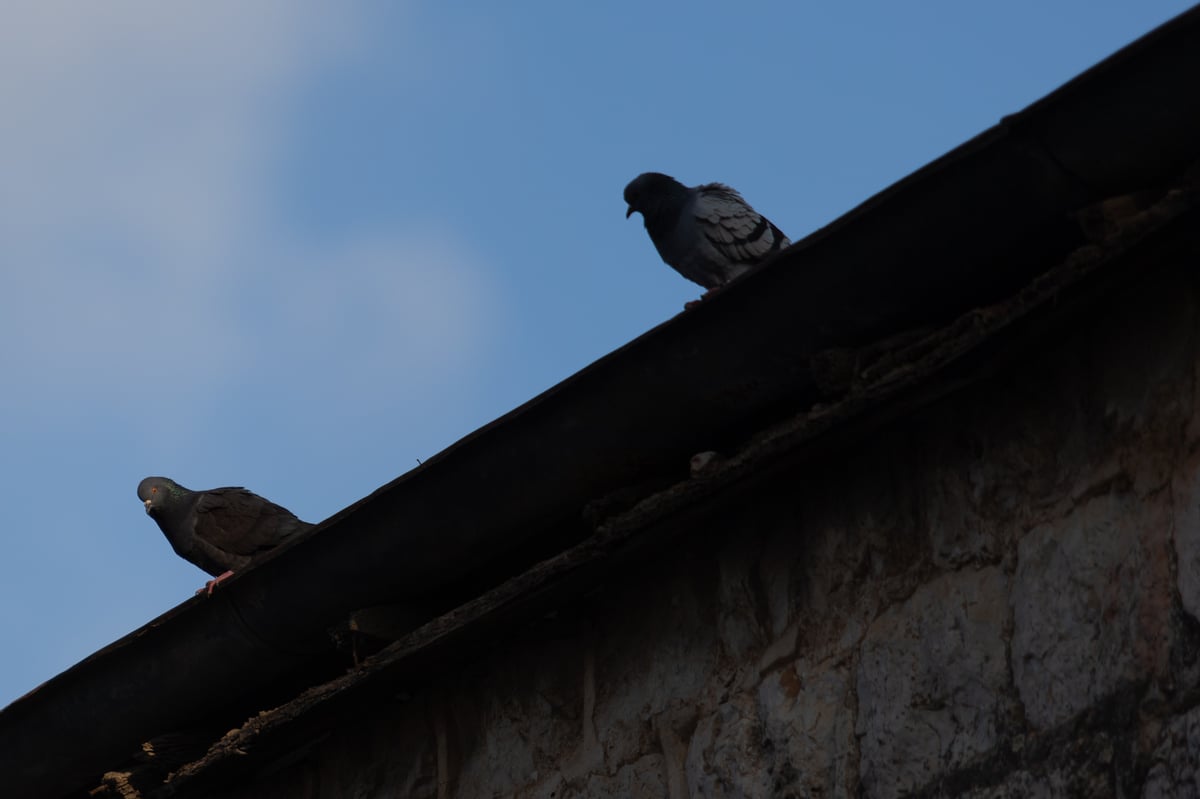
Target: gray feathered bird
x: 220, y: 530
x: 707, y: 233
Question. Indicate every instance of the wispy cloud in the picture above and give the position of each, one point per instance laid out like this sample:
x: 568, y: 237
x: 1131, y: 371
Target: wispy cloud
x: 376, y: 313
x: 136, y: 223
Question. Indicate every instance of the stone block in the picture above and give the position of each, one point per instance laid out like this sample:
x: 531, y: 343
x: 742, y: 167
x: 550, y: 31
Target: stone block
x: 1090, y: 605
x: 808, y: 730
x: 933, y: 681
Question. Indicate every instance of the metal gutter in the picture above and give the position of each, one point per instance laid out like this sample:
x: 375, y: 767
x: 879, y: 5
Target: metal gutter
x: 965, y: 230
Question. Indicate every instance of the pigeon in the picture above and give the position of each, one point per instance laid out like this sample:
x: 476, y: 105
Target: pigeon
x: 220, y: 530
x: 707, y: 233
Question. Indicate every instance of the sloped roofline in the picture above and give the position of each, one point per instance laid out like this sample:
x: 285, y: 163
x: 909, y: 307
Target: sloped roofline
x: 965, y: 230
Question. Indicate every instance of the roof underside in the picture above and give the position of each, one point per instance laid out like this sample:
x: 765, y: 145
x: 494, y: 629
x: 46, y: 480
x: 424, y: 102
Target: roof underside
x: 495, y: 524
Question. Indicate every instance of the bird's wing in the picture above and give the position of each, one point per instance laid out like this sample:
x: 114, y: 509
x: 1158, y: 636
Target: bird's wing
x: 237, y: 521
x: 734, y: 229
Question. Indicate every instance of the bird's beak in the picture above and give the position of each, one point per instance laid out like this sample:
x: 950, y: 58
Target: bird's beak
x: 147, y: 504
x: 629, y: 212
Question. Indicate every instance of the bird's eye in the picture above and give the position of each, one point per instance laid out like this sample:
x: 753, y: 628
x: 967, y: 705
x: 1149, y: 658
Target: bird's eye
x: 154, y: 490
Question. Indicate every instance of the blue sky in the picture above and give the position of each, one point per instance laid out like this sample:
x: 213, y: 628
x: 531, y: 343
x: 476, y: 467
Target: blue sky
x: 296, y: 246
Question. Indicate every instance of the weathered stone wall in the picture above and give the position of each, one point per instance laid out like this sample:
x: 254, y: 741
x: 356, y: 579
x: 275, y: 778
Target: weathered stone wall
x: 997, y: 597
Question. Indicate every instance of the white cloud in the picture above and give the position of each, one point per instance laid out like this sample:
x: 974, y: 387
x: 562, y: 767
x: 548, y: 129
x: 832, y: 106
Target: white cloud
x: 135, y: 155
x: 378, y: 312
x: 106, y: 107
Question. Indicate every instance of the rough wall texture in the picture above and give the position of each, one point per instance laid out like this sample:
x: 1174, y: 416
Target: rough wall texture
x: 997, y: 597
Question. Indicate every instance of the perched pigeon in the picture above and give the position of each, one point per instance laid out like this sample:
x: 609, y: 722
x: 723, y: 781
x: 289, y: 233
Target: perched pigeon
x: 218, y: 530
x: 708, y: 233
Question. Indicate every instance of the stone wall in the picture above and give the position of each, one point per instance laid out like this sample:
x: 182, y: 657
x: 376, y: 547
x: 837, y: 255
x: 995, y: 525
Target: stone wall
x: 996, y: 597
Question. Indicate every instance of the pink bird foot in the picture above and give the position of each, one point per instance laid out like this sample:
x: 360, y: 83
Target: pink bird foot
x: 211, y: 584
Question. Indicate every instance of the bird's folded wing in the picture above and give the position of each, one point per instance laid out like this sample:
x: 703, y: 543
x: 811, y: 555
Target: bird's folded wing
x: 237, y: 521
x: 733, y: 228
